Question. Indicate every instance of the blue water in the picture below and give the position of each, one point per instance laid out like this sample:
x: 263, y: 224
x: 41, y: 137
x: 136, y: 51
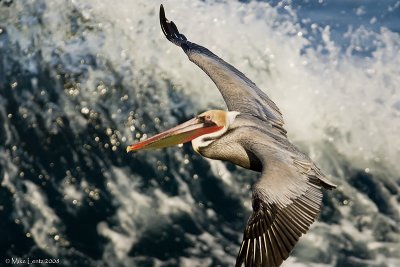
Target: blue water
x: 81, y: 80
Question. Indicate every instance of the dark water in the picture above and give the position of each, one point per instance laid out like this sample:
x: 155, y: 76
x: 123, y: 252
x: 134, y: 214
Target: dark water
x: 79, y: 81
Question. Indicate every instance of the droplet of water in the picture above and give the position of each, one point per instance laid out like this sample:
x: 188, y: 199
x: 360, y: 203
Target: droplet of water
x: 85, y: 110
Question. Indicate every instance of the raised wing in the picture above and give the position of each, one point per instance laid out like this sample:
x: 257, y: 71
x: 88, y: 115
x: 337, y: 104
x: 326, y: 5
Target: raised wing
x: 240, y: 93
x: 286, y: 201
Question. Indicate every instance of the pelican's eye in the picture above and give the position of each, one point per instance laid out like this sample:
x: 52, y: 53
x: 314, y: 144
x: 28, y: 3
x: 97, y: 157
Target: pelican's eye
x: 205, y: 119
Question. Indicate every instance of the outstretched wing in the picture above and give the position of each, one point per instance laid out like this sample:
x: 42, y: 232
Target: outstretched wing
x: 273, y: 230
x: 240, y: 93
x: 286, y: 201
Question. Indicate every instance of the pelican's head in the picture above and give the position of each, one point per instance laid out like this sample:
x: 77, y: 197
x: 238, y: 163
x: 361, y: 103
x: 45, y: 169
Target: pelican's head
x: 201, y: 130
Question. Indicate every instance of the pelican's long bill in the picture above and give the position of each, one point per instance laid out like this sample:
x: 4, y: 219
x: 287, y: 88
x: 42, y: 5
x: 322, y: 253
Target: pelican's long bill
x: 180, y: 134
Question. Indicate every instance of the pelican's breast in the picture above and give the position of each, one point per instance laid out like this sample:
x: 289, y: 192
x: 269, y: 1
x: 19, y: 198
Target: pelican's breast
x: 229, y: 148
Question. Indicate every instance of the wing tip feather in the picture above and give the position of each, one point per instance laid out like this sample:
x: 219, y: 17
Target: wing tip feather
x: 170, y: 30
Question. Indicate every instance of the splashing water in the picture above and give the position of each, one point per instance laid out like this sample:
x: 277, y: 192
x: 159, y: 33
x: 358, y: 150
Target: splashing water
x: 80, y: 80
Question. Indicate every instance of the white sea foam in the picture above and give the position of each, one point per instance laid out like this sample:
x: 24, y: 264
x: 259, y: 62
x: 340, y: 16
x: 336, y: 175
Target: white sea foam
x: 139, y: 211
x: 44, y: 229
x: 327, y: 96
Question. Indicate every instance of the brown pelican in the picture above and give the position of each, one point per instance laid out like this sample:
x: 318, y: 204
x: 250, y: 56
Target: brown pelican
x: 287, y: 197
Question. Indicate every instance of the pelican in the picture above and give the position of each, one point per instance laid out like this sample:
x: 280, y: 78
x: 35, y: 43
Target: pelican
x: 287, y: 197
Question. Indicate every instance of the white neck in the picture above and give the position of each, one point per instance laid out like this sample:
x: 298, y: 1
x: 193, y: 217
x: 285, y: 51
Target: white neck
x: 207, y: 139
